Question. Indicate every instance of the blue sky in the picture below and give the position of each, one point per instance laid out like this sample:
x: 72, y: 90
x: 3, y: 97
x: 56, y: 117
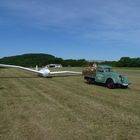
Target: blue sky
x: 90, y: 29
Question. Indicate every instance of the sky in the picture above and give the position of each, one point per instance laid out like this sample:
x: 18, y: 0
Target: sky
x: 71, y: 29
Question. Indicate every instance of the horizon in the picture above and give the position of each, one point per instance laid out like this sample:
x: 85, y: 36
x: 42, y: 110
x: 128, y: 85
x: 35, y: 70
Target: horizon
x: 99, y: 60
x: 76, y: 29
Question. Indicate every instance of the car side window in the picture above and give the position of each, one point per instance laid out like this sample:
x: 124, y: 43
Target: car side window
x: 107, y: 70
x: 100, y: 70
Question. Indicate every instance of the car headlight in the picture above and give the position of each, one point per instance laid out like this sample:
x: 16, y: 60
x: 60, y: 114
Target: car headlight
x: 121, y: 78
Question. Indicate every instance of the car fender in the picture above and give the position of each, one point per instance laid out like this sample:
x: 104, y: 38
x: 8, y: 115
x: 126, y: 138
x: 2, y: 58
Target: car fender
x: 113, y: 78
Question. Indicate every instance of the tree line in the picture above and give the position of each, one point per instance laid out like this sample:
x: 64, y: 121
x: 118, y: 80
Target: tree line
x: 28, y: 60
x: 129, y: 62
x: 124, y: 62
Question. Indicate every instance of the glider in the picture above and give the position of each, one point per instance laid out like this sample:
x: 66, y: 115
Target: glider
x: 44, y: 72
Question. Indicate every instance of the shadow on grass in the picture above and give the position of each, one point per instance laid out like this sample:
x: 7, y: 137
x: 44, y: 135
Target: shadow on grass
x: 103, y: 85
x: 1, y: 88
x: 51, y: 76
x: 15, y: 77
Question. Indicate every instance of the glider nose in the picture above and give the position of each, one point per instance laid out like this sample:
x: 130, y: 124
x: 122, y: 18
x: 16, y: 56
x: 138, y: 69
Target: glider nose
x: 44, y: 72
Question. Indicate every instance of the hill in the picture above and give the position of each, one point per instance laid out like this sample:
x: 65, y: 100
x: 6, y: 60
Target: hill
x: 40, y: 59
x: 31, y: 59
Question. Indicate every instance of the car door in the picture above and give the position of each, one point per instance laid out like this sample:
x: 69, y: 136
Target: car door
x: 100, y: 75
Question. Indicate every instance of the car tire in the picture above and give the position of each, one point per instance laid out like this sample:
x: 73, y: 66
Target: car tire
x: 110, y: 84
x: 90, y: 81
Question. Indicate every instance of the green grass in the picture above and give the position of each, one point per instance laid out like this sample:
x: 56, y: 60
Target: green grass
x: 66, y: 108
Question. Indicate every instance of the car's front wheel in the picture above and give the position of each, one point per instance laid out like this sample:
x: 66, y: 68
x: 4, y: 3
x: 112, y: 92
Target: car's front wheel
x: 110, y: 84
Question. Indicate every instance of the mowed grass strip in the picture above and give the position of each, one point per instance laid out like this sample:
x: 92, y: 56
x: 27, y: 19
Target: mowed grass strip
x: 66, y: 108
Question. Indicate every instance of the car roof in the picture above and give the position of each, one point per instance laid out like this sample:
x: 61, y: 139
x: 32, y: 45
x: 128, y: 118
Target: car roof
x: 104, y: 66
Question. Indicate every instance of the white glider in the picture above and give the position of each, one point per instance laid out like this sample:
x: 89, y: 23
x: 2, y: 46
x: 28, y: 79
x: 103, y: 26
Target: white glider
x: 45, y: 72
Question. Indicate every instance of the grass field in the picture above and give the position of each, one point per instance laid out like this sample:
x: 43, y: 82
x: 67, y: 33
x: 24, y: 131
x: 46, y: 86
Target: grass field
x: 66, y: 108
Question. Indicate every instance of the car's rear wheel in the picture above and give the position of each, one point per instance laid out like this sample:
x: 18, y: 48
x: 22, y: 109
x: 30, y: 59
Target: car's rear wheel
x: 89, y: 80
x: 110, y: 84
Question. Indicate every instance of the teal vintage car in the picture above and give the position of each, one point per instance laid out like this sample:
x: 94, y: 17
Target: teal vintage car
x: 105, y: 75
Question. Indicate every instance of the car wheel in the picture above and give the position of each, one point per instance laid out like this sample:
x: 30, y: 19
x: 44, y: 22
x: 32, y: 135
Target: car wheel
x: 90, y: 81
x: 110, y: 84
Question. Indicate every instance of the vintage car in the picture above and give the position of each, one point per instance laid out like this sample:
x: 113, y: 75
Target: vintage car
x: 105, y: 75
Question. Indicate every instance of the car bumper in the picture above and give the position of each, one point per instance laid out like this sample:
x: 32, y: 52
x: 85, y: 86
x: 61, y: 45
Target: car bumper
x: 124, y: 84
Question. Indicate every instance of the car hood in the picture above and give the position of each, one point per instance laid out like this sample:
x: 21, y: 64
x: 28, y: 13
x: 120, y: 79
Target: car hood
x: 116, y: 74
x: 122, y: 78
